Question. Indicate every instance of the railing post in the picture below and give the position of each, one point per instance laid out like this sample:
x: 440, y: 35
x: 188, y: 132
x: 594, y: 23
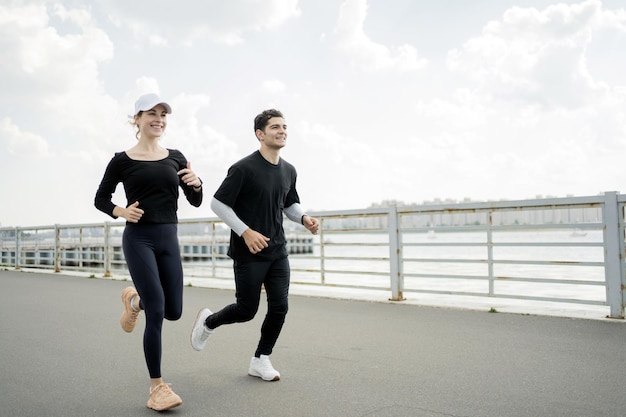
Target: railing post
x: 490, y: 253
x: 57, y: 248
x: 395, y: 256
x: 107, y: 249
x: 322, y: 253
x: 214, y: 252
x: 613, y: 270
x: 18, y: 233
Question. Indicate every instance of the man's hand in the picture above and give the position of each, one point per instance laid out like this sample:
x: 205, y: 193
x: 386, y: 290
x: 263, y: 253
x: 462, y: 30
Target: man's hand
x: 255, y: 241
x: 311, y: 224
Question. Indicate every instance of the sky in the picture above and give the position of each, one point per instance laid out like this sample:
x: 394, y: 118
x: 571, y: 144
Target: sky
x: 408, y: 101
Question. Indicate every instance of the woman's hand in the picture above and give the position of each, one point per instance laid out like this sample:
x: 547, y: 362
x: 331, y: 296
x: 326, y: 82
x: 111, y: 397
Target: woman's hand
x: 131, y: 213
x: 189, y: 177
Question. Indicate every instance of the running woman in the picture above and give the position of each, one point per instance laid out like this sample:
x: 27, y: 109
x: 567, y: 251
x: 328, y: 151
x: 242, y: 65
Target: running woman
x: 151, y: 175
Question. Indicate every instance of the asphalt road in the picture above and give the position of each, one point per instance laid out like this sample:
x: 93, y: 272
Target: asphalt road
x: 62, y: 353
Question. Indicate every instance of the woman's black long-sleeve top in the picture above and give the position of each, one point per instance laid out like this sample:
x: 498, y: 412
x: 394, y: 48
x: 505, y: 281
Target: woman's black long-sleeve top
x: 153, y: 183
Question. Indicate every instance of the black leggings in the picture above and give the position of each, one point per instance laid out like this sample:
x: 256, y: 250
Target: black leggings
x: 153, y: 257
x: 249, y: 276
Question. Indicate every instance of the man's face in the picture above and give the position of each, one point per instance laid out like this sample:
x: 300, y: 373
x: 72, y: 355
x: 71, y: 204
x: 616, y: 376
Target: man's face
x: 275, y: 133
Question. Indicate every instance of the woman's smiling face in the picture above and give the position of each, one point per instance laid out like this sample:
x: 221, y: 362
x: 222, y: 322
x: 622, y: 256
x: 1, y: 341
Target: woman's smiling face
x: 152, y: 123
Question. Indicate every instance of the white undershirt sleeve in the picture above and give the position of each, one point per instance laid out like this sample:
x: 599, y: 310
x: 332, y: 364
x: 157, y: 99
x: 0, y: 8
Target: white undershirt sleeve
x: 294, y: 213
x: 228, y: 216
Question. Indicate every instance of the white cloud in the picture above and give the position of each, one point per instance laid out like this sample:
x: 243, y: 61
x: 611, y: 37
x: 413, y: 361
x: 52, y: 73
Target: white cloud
x: 145, y: 85
x: 189, y: 132
x: 273, y: 86
x: 365, y: 53
x: 331, y: 163
x: 550, y: 125
x: 465, y: 110
x: 19, y: 142
x: 276, y: 13
x: 537, y: 56
x: 225, y: 22
x: 55, y: 74
x: 534, y: 104
x: 38, y: 48
x: 335, y: 147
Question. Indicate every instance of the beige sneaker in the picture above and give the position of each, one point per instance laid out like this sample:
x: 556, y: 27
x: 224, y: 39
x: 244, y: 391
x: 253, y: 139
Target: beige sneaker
x: 129, y: 316
x: 163, y: 398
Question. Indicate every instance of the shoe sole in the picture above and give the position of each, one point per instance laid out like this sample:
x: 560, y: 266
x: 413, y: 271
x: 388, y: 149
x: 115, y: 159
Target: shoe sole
x: 126, y: 311
x: 276, y: 378
x: 194, y: 328
x: 168, y: 407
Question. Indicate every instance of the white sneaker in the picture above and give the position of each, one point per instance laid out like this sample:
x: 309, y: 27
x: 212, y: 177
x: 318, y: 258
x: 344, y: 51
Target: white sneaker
x: 262, y: 368
x: 200, y: 333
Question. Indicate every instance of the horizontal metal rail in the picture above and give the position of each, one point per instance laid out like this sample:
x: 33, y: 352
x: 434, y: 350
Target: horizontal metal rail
x: 558, y: 249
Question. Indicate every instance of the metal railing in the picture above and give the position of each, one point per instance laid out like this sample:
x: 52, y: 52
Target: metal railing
x: 557, y: 250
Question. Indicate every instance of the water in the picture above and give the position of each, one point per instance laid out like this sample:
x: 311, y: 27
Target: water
x: 362, y: 261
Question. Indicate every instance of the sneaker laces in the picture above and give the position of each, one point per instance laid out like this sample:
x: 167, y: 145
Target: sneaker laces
x: 266, y: 364
x: 165, y: 387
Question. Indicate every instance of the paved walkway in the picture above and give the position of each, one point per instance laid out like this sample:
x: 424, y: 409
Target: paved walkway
x: 62, y: 353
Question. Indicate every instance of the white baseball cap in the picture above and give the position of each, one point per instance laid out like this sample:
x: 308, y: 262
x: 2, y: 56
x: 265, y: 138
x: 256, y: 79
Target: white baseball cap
x: 148, y: 101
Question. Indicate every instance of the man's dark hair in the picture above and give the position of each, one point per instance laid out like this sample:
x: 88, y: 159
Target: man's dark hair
x: 260, y: 121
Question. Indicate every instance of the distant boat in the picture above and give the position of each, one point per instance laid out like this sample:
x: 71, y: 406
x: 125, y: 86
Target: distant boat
x: 431, y: 234
x: 578, y: 233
